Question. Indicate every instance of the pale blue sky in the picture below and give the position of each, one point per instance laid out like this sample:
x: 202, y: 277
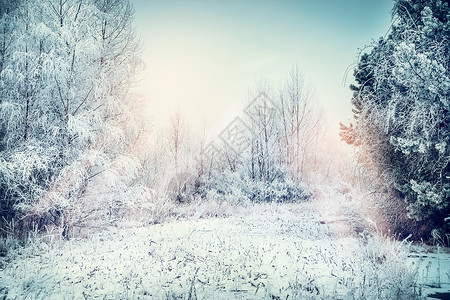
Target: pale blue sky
x: 203, y: 56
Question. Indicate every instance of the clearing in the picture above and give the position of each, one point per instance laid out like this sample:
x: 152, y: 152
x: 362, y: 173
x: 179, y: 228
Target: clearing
x: 262, y: 251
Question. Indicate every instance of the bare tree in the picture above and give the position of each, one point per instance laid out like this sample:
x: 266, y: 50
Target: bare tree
x: 176, y: 139
x: 299, y: 121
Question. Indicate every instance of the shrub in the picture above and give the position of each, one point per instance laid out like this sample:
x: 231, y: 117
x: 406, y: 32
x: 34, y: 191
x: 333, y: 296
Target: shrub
x: 235, y: 187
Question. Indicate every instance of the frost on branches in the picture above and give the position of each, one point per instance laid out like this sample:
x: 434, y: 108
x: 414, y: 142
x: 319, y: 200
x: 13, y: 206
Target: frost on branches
x: 65, y: 74
x: 401, y: 106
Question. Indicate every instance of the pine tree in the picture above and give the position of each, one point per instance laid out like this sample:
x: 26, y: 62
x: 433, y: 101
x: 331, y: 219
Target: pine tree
x: 401, y: 108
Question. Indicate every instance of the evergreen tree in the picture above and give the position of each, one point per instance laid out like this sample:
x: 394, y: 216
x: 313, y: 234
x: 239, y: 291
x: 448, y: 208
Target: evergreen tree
x: 401, y: 108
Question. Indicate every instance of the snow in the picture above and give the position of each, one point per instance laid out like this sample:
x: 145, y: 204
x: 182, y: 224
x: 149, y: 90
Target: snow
x: 433, y: 271
x: 266, y: 251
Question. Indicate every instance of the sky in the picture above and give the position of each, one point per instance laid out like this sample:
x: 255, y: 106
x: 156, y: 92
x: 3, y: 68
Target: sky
x: 202, y: 57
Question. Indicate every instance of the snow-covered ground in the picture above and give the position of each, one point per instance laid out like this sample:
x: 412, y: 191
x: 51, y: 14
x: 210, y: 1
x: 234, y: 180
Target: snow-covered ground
x: 433, y: 271
x: 266, y: 251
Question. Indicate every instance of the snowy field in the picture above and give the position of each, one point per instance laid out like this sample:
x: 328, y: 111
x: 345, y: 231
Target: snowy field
x: 266, y: 251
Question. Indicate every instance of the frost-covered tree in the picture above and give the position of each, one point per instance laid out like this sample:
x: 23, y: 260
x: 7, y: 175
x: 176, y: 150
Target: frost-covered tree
x: 264, y: 154
x: 401, y: 108
x: 65, y: 77
x: 300, y: 123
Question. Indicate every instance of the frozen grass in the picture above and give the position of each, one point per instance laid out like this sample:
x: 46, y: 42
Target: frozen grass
x: 265, y: 251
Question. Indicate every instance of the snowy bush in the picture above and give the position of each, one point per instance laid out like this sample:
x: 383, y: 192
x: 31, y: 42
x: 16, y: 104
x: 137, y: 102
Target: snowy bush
x: 238, y: 187
x: 227, y: 186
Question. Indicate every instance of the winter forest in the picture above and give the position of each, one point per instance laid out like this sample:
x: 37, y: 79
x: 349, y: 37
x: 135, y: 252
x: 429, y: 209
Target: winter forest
x: 97, y: 200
